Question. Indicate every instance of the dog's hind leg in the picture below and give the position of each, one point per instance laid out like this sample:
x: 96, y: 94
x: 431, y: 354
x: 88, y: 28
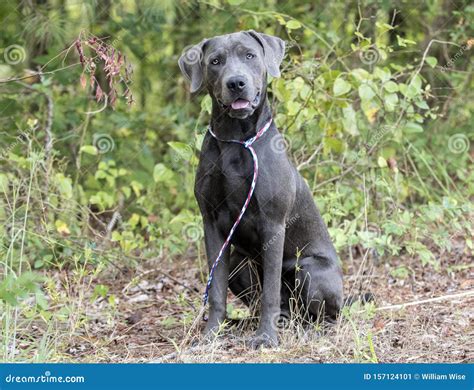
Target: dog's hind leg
x: 320, y: 284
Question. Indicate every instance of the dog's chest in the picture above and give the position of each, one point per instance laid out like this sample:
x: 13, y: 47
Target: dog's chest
x: 222, y: 186
x: 226, y: 182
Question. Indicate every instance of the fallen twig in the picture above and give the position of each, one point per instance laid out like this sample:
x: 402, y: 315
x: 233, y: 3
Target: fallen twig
x: 429, y: 300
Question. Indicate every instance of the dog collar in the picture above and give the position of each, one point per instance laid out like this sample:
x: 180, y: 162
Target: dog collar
x: 247, y: 145
x: 248, y: 142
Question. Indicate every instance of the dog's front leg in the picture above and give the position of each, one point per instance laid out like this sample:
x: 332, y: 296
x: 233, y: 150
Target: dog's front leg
x: 218, y: 291
x: 267, y: 333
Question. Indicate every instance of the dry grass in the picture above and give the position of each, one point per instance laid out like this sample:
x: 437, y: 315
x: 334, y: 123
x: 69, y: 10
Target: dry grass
x: 155, y: 309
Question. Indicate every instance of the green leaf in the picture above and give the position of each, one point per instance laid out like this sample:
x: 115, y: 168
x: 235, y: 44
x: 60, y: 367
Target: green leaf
x: 89, y: 149
x: 382, y: 163
x: 404, y: 42
x: 413, y: 89
x: 64, y: 185
x: 3, y: 182
x: 384, y: 26
x: 400, y: 272
x: 41, y: 300
x: 416, y: 83
x: 136, y: 187
x: 391, y: 86
x: 280, y: 19
x: 184, y: 151
x: 9, y: 106
x: 360, y: 74
x: 13, y: 288
x: 126, y: 191
x: 422, y: 104
x: 349, y: 122
x: 365, y: 92
x: 293, y: 107
x: 116, y: 236
x: 62, y: 227
x: 432, y: 61
x: 146, y: 159
x: 341, y: 87
x: 162, y: 174
x: 411, y: 128
x: 206, y: 104
x: 38, y: 263
x: 333, y: 144
x: 391, y: 101
x: 293, y: 25
x: 133, y: 220
x: 99, y: 291
x: 383, y: 74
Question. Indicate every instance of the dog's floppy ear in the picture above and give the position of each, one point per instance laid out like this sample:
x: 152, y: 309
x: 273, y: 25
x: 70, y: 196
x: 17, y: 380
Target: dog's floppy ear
x: 273, y: 50
x: 190, y: 64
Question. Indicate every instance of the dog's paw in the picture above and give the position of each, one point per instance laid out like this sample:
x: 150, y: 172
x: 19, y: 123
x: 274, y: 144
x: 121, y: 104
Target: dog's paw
x: 211, y: 333
x: 264, y: 340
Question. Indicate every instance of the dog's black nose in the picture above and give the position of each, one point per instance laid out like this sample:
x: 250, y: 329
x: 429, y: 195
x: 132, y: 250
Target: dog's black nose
x: 236, y: 84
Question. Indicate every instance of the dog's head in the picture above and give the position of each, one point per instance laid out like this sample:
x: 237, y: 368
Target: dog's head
x: 234, y: 68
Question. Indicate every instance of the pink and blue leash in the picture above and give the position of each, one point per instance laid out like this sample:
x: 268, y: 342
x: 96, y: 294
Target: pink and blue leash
x: 247, y: 145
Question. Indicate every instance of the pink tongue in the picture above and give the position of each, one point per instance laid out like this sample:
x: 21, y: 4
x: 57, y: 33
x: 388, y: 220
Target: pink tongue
x: 239, y: 104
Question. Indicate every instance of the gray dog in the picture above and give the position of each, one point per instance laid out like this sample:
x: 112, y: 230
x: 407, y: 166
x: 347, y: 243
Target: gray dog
x: 282, y: 245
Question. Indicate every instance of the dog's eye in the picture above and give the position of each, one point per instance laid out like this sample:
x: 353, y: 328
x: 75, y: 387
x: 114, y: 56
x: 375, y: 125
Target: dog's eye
x: 250, y: 56
x: 215, y: 61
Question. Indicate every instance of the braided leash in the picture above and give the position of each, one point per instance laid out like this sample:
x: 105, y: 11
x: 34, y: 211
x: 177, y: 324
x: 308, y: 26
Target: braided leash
x: 247, y: 145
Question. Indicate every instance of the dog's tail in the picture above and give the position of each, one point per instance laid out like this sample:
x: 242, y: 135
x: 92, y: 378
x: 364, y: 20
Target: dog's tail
x: 363, y: 298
